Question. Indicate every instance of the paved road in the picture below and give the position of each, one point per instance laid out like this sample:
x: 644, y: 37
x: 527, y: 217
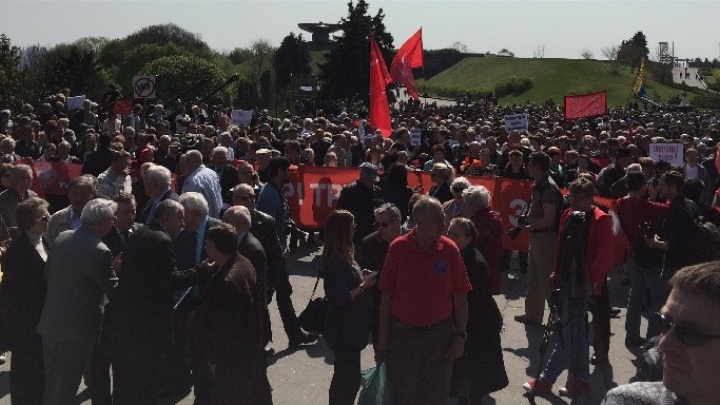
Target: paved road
x: 302, y: 377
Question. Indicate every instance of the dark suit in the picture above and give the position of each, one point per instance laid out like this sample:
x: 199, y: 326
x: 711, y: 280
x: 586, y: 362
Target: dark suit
x: 227, y: 323
x: 251, y: 248
x: 80, y: 276
x: 21, y: 302
x: 141, y: 321
x: 101, y: 355
x: 228, y: 179
x: 97, y: 162
x: 142, y: 218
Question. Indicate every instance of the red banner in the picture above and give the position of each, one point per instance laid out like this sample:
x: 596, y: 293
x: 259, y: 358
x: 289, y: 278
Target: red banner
x: 379, y: 115
x: 409, y: 56
x: 123, y: 106
x: 53, y: 177
x: 585, y: 105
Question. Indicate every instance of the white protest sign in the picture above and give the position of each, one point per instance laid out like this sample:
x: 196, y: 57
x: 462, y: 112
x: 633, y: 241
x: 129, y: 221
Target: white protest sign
x: 516, y: 122
x: 238, y: 117
x: 76, y: 102
x: 415, y: 136
x: 144, y: 87
x: 669, y: 152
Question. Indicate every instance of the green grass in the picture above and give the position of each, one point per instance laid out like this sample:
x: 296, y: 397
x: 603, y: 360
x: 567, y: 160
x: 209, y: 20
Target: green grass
x: 316, y: 58
x: 551, y: 78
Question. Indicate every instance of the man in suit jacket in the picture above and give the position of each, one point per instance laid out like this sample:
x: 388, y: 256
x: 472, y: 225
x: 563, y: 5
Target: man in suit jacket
x: 99, y: 161
x: 77, y: 288
x: 197, y: 223
x: 141, y: 321
x: 21, y: 177
x: 81, y: 190
x: 101, y: 355
x: 227, y: 324
x: 227, y: 173
x: 157, y: 182
x: 263, y: 228
x: 239, y: 217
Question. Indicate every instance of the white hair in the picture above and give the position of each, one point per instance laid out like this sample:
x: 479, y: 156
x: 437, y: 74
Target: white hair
x: 477, y: 197
x: 194, y: 158
x: 97, y: 210
x: 194, y: 202
x: 220, y: 149
x: 240, y: 215
x: 159, y: 175
x: 460, y: 181
x: 634, y: 167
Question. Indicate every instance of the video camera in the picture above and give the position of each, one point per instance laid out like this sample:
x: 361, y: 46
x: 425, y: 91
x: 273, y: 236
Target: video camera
x: 647, y: 229
x: 522, y: 220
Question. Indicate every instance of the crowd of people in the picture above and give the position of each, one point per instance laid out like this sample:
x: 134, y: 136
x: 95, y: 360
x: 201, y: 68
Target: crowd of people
x: 173, y: 286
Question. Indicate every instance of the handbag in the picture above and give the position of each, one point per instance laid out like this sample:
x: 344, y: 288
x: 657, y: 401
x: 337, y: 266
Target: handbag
x: 375, y: 387
x: 312, y: 318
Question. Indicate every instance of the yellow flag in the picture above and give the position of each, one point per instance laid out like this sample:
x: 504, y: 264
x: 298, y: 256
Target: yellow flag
x: 639, y: 79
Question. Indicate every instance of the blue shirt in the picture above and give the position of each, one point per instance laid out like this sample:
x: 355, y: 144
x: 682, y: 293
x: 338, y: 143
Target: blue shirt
x: 207, y: 183
x: 271, y: 201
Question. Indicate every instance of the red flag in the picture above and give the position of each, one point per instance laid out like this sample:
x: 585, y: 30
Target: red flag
x: 717, y: 158
x: 585, y: 105
x: 410, y: 55
x: 379, y: 79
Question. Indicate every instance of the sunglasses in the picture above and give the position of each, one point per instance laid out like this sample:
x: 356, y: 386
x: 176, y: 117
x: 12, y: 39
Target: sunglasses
x: 686, y: 334
x: 382, y: 224
x: 458, y: 189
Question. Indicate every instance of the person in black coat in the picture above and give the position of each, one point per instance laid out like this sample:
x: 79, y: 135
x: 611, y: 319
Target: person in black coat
x: 396, y: 190
x: 441, y: 176
x: 22, y: 300
x: 347, y: 324
x: 228, y: 174
x: 485, y: 366
x: 99, y: 161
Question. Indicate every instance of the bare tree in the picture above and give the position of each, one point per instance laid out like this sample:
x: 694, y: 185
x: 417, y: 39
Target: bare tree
x: 610, y: 52
x: 459, y: 46
x: 586, y: 54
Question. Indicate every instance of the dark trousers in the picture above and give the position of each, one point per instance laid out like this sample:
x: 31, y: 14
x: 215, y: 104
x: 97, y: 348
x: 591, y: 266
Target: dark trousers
x: 419, y: 372
x: 136, y: 371
x: 601, y: 322
x: 346, y: 376
x: 65, y: 360
x: 27, y: 378
x: 242, y: 382
x: 100, y: 361
x: 522, y: 257
x: 285, y: 306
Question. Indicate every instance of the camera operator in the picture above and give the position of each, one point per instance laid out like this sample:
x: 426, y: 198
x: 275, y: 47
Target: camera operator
x: 584, y: 258
x: 638, y: 217
x: 542, y: 223
x: 674, y: 237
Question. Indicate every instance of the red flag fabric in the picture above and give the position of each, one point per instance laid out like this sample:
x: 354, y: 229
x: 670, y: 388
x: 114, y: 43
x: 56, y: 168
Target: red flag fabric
x: 379, y: 79
x: 410, y: 55
x: 585, y: 105
x: 717, y: 159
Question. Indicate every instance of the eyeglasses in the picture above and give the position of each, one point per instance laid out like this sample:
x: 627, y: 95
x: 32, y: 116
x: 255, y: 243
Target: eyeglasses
x: 382, y: 224
x: 458, y: 189
x: 686, y: 334
x: 244, y: 197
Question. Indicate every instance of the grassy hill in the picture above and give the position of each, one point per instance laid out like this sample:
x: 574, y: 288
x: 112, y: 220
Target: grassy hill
x: 550, y: 77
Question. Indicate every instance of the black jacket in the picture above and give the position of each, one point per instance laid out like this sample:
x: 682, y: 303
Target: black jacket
x: 228, y: 179
x: 24, y: 286
x: 97, y: 162
x: 263, y: 228
x: 361, y: 201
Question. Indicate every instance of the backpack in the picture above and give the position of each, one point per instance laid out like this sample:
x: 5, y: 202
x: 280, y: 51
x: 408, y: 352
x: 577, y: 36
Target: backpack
x: 705, y: 241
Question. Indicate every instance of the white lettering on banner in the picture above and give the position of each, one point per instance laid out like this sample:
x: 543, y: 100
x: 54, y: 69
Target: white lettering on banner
x: 332, y: 193
x: 518, y: 205
x: 290, y: 188
x: 669, y: 152
x: 415, y: 136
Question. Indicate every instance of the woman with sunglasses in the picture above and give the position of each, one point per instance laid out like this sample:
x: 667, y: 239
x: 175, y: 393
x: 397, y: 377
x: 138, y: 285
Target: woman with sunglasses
x: 454, y: 207
x: 22, y: 300
x: 350, y: 308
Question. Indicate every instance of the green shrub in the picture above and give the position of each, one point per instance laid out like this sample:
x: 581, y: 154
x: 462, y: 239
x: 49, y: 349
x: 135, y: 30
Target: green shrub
x: 513, y: 86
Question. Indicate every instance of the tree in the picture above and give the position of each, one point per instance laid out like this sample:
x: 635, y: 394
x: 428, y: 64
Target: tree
x: 586, y: 54
x: 178, y: 73
x: 459, y: 46
x: 10, y: 72
x: 73, y: 66
x: 291, y: 61
x: 633, y: 50
x: 505, y: 52
x: 346, y: 71
x: 610, y: 52
x: 240, y: 55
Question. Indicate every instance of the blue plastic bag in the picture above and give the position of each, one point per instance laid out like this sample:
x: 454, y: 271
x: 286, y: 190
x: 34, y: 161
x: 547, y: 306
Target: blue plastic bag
x: 375, y: 387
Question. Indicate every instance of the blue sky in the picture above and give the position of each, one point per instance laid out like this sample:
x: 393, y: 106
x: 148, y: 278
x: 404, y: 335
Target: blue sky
x: 564, y: 28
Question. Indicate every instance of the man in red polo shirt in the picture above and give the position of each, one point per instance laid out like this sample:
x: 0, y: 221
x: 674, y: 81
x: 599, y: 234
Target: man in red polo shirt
x: 423, y: 283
